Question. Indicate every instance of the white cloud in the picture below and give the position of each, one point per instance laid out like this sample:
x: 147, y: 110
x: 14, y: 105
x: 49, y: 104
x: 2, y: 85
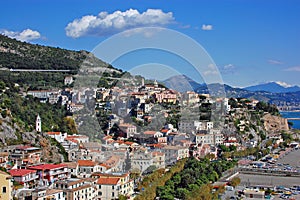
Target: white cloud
x: 229, y: 67
x: 293, y: 69
x: 25, y: 35
x: 211, y: 70
x: 207, y: 27
x: 106, y: 24
x: 275, y: 62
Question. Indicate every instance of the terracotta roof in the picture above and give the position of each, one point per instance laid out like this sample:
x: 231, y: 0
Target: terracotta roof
x: 105, y: 165
x: 154, y: 145
x: 47, y: 166
x: 76, y: 136
x: 21, y: 172
x: 86, y: 163
x: 53, y: 133
x: 108, y: 180
x: 157, y: 153
x: 71, y: 164
x: 129, y: 143
x: 150, y: 132
x: 52, y: 191
x: 164, y: 130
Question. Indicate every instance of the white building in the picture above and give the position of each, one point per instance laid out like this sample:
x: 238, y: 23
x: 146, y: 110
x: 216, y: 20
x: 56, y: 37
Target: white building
x: 58, y: 136
x: 68, y: 80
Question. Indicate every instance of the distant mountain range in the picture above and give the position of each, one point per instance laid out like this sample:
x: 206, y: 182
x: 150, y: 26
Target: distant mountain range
x: 271, y: 92
x: 182, y: 83
x: 274, y: 87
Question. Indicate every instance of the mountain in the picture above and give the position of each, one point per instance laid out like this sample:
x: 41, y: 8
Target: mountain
x: 184, y: 83
x: 274, y: 87
x: 181, y: 83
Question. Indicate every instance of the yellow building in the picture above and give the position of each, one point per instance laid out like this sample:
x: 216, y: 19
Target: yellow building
x: 5, y: 186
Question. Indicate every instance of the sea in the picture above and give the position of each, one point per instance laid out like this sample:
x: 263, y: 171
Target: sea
x: 292, y: 114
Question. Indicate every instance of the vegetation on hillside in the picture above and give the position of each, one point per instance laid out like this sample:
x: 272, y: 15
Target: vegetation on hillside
x: 157, y: 179
x: 193, y: 180
x: 25, y: 110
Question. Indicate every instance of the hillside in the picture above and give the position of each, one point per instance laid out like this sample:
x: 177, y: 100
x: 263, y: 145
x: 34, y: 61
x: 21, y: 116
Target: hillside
x: 15, y: 54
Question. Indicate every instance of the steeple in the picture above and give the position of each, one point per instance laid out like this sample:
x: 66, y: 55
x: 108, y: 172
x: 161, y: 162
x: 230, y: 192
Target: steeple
x: 38, y: 124
x: 155, y: 83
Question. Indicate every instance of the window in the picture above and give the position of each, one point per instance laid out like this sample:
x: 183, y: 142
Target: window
x: 113, y: 194
x: 3, y: 190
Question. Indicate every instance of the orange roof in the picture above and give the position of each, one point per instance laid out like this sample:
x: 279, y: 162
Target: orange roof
x: 149, y: 132
x: 126, y: 125
x: 76, y: 136
x: 129, y: 143
x: 164, y: 130
x: 53, y: 133
x: 105, y: 165
x: 107, y: 137
x: 108, y: 181
x: 86, y: 163
x: 72, y: 140
x: 154, y: 145
x: 157, y: 153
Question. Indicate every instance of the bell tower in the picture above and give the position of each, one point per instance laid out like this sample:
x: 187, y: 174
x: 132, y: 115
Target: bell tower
x: 38, y: 124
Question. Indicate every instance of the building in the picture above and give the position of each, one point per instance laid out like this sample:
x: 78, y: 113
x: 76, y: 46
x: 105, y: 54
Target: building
x: 47, y: 194
x: 72, y: 168
x: 175, y: 153
x: 78, y: 138
x: 5, y: 186
x: 110, y: 186
x: 26, y: 177
x: 158, y: 159
x: 212, y: 138
x: 76, y: 189
x: 58, y: 136
x: 167, y: 96
x: 38, y: 124
x: 141, y: 160
x: 23, y: 155
x: 68, y: 80
x: 50, y: 173
x: 128, y: 129
x: 87, y: 167
x: 193, y: 126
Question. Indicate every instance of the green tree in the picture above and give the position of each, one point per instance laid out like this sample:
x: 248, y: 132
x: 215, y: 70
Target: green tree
x: 235, y: 181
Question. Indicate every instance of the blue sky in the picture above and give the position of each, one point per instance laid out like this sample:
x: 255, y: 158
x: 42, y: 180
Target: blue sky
x: 251, y: 41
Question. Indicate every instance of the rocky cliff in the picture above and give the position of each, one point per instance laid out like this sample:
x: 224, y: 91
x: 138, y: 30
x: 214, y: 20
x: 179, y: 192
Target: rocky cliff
x: 275, y: 123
